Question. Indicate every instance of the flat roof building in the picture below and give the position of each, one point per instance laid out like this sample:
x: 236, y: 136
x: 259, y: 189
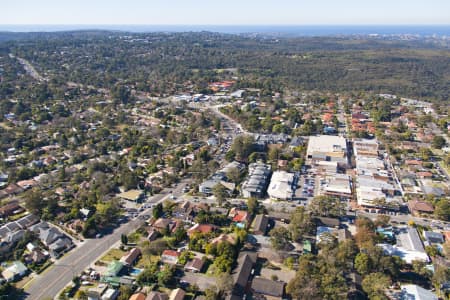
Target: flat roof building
x: 328, y: 148
x: 281, y: 185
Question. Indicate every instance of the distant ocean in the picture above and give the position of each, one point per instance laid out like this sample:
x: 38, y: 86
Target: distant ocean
x: 294, y: 30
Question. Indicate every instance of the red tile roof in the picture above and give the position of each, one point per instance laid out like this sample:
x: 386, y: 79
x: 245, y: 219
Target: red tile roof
x: 171, y: 253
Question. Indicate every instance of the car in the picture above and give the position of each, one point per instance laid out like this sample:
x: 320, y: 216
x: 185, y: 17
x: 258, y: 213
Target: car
x: 98, y: 235
x: 173, y: 197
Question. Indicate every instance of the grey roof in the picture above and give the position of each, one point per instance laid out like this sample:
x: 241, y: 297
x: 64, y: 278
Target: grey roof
x: 4, y: 232
x: 12, y: 226
x: 15, y: 236
x: 433, y: 237
x: 195, y: 264
x: 242, y: 273
x: 330, y: 222
x: 410, y: 240
x: 27, y: 221
x: 257, y: 179
x: 268, y: 287
x: 296, y: 141
x: 156, y: 296
x: 260, y: 223
x: 48, y: 236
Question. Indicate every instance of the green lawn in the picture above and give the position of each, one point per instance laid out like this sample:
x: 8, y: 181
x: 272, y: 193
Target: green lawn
x: 113, y: 254
x: 147, y: 259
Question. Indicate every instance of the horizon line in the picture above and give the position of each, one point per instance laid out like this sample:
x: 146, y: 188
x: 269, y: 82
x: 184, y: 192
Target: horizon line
x: 260, y: 24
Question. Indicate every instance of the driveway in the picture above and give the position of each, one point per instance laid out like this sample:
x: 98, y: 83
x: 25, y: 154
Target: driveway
x: 201, y: 280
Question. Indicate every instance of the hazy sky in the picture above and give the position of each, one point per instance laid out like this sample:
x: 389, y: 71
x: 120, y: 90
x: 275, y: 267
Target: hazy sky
x: 237, y: 12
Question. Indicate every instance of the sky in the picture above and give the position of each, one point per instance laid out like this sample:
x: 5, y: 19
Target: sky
x: 229, y: 12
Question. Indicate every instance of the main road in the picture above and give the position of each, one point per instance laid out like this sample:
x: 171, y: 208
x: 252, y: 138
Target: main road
x: 53, y: 280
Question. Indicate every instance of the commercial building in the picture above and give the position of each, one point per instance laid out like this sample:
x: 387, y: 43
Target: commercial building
x: 338, y: 185
x: 327, y: 148
x: 282, y: 185
x: 373, y: 180
x: 365, y: 147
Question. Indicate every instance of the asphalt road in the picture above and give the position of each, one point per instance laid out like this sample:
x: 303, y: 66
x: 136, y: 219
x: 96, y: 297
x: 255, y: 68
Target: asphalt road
x: 53, y: 280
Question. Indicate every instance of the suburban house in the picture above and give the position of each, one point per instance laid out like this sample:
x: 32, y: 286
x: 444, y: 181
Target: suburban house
x: 177, y: 294
x: 269, y: 289
x: 239, y: 216
x: 241, y: 273
x: 131, y: 195
x: 170, y: 257
x: 432, y: 237
x: 229, y: 238
x: 417, y: 207
x: 15, y: 271
x: 195, y: 265
x: 162, y: 224
x: 130, y: 258
x: 260, y: 224
x: 56, y: 241
x: 201, y: 228
x: 138, y: 296
x: 10, y: 209
x: 157, y: 296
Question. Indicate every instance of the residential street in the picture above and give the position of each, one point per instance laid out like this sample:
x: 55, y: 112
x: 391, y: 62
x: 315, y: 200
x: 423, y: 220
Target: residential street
x: 52, y: 281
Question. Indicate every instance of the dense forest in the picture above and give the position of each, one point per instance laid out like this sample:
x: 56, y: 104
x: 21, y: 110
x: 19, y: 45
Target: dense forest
x: 168, y: 62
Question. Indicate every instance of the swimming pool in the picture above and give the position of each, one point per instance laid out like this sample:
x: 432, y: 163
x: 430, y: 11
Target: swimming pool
x: 135, y: 271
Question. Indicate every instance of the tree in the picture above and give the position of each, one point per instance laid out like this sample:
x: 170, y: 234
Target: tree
x: 90, y: 227
x: 220, y: 192
x: 301, y: 223
x: 125, y: 292
x: 441, y: 275
x: 34, y: 201
x: 279, y: 238
x: 224, y: 283
x: 327, y: 206
x: 230, y: 155
x: 157, y: 211
x: 374, y: 285
x: 362, y: 263
x: 252, y: 206
x: 124, y: 239
x: 365, y: 232
x: 438, y: 142
x: 242, y: 146
x: 81, y: 295
x: 442, y: 209
x: 211, y: 294
x: 382, y: 220
x: 148, y: 275
x: 234, y: 175
x: 305, y: 285
x: 165, y: 276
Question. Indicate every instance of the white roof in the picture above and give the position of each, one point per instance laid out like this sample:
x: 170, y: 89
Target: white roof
x: 374, y: 184
x: 326, y: 144
x: 415, y: 292
x: 371, y: 163
x: 339, y: 185
x: 366, y: 195
x: 280, y: 186
x: 407, y: 255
